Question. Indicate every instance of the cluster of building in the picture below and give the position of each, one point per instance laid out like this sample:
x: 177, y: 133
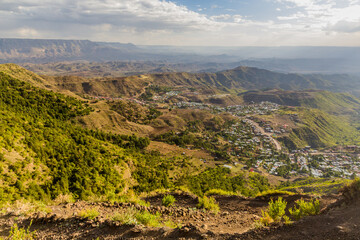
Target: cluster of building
x: 167, y: 95
x: 262, y: 108
x: 337, y: 165
x: 237, y: 110
x: 243, y: 137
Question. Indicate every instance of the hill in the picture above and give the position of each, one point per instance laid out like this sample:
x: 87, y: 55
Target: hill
x: 319, y: 118
x: 45, y: 152
x: 230, y: 81
x: 334, y: 103
x: 52, y: 50
x: 330, y: 118
x: 56, y: 50
x: 66, y: 169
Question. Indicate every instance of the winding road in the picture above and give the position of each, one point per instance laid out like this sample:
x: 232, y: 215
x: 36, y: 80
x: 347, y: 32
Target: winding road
x: 262, y: 131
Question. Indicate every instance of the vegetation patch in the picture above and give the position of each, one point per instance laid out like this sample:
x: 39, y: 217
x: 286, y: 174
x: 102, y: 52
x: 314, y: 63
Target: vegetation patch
x: 220, y: 192
x: 148, y: 219
x: 127, y: 217
x: 168, y: 200
x: 351, y: 191
x: 91, y: 213
x: 17, y: 233
x: 305, y: 208
x: 209, y: 203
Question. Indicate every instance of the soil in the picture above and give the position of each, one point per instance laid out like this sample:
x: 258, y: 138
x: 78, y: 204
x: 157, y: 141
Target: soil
x: 234, y: 221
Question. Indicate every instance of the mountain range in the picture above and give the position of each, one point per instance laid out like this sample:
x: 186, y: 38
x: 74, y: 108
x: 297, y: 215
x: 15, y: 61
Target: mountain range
x: 238, y: 79
x: 283, y: 59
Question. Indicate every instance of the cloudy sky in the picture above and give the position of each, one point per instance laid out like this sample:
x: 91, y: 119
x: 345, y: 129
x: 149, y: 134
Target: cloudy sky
x: 187, y: 22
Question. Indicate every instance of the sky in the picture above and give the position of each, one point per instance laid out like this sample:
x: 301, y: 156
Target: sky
x: 186, y: 22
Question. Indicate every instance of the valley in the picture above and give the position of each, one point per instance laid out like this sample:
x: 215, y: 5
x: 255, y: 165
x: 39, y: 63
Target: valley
x: 88, y: 156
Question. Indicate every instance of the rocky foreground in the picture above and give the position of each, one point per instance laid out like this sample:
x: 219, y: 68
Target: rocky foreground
x: 338, y: 220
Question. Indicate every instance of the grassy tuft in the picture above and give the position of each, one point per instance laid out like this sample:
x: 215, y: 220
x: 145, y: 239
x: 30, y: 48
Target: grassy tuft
x: 274, y: 213
x: 131, y: 197
x: 148, y: 219
x: 64, y: 198
x: 304, y: 208
x: 126, y: 218
x: 91, y: 213
x: 219, y: 192
x: 168, y: 200
x: 17, y: 233
x: 274, y: 192
x: 209, y: 203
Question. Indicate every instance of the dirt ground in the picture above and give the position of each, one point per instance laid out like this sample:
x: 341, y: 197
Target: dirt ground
x: 234, y: 221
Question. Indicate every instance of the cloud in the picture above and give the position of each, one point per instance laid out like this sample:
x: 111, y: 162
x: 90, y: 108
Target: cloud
x: 26, y: 32
x: 345, y: 27
x: 139, y: 14
x: 324, y: 15
x: 221, y: 17
x: 166, y: 22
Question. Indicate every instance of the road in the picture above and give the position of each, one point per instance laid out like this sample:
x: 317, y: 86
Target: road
x: 262, y: 131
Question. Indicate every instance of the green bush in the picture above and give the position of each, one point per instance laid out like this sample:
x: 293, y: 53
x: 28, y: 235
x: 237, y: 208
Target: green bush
x: 304, y: 208
x: 148, y: 219
x: 209, y: 204
x: 265, y: 220
x: 274, y: 192
x: 219, y: 192
x: 168, y: 200
x: 274, y: 213
x: 276, y: 209
x: 89, y: 213
x: 17, y: 233
x: 126, y: 218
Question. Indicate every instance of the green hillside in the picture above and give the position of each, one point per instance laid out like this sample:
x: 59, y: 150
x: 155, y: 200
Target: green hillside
x: 333, y: 103
x: 319, y: 129
x: 326, y: 118
x: 44, y: 153
x: 330, y: 102
x: 231, y: 81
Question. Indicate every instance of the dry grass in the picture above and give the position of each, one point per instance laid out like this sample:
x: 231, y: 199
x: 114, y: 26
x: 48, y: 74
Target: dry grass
x: 23, y: 207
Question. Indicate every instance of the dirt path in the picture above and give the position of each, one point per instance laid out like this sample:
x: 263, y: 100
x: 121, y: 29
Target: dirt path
x: 339, y: 223
x: 235, y: 219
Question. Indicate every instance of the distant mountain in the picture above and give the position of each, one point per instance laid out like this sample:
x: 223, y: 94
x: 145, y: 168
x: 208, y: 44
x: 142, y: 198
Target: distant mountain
x: 236, y: 80
x: 42, y: 50
x: 327, y: 60
x: 49, y: 50
x: 121, y: 68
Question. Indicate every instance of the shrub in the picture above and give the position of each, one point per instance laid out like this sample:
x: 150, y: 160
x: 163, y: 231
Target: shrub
x: 287, y: 220
x: 351, y: 191
x: 265, y: 220
x: 17, y: 233
x: 209, y: 204
x: 131, y: 197
x: 305, y: 208
x: 168, y: 200
x: 276, y: 209
x: 91, y: 213
x: 126, y: 218
x: 171, y: 224
x: 64, y: 198
x: 274, y: 192
x: 274, y: 213
x: 219, y: 192
x: 148, y: 219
